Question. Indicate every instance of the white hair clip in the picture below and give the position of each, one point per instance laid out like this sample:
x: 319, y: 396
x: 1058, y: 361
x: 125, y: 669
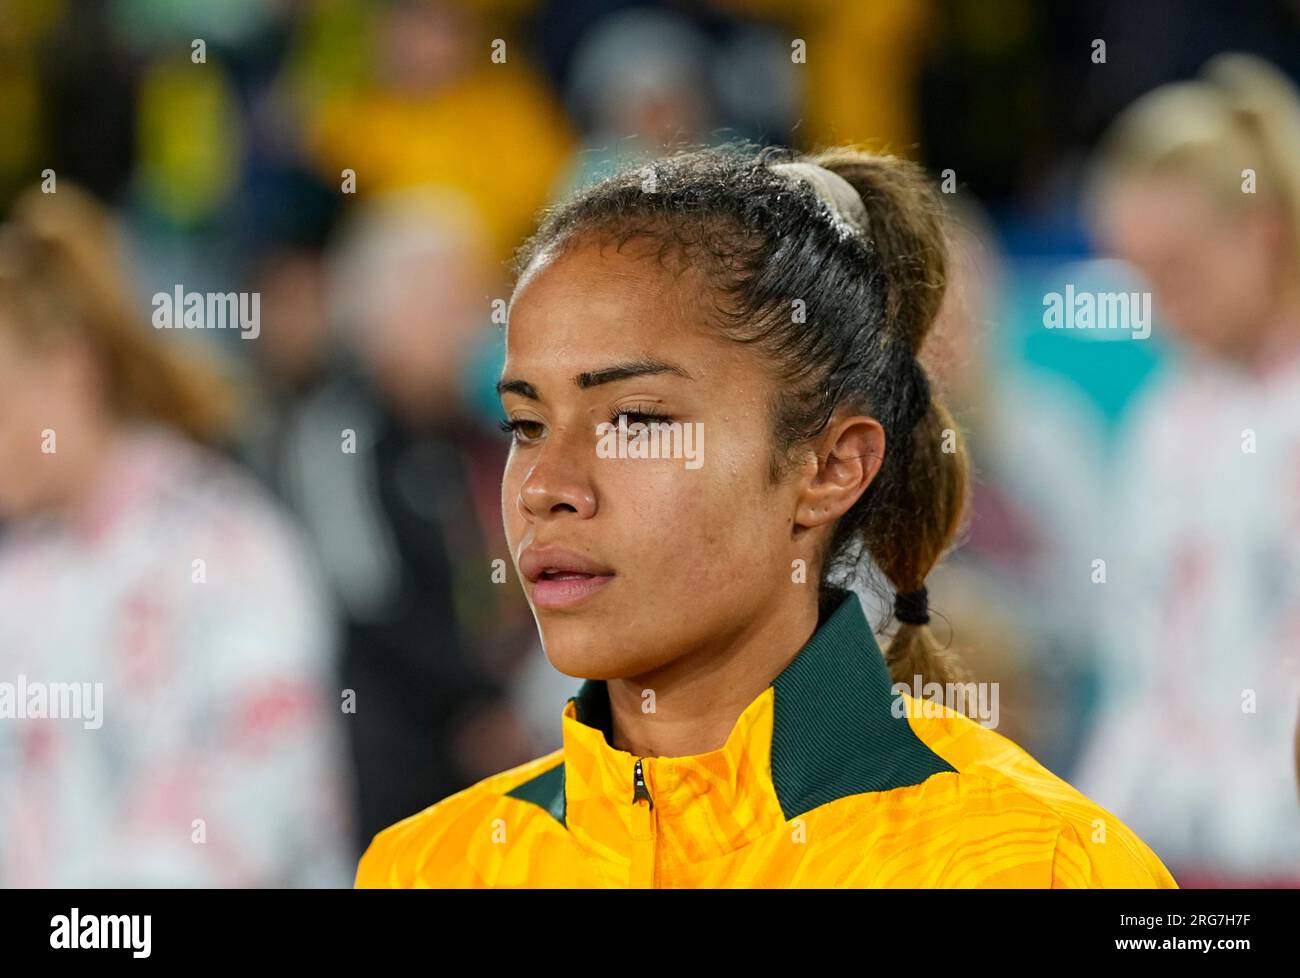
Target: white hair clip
x: 836, y: 192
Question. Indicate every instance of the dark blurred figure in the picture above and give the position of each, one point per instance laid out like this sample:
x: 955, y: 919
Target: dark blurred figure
x: 395, y: 481
x: 89, y: 108
x: 641, y: 85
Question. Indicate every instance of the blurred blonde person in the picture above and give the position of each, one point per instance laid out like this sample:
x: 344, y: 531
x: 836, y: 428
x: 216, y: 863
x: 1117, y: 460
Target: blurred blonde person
x: 140, y: 563
x: 1198, y: 187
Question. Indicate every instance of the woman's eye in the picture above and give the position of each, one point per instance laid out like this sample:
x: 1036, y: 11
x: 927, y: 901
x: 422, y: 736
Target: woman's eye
x: 524, y: 430
x: 638, y: 416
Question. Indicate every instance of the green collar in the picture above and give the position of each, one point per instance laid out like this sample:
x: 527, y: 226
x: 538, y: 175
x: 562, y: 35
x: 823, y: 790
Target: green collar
x: 836, y: 731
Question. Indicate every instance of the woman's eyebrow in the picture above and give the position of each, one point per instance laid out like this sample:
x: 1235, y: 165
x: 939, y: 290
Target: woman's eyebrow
x: 629, y: 368
x: 594, y: 378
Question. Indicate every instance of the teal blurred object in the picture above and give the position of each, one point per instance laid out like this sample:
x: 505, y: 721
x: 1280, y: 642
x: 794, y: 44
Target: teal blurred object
x: 479, y: 386
x: 1108, y: 371
x: 151, y: 23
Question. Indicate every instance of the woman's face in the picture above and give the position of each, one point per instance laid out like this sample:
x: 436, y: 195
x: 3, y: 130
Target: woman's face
x: 1215, y: 272
x: 693, y: 552
x: 46, y: 412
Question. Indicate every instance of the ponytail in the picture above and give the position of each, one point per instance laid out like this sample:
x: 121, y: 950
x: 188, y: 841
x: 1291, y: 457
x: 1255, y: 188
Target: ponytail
x: 917, y: 512
x: 935, y: 491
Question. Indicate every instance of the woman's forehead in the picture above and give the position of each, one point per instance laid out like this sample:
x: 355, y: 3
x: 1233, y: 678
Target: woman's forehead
x: 610, y: 296
x: 641, y: 266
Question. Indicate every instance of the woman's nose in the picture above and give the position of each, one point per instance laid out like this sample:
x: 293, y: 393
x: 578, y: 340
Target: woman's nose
x: 559, y: 480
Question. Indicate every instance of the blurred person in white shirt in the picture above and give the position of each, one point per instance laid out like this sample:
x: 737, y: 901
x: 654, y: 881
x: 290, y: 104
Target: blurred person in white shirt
x: 148, y: 567
x: 1198, y: 187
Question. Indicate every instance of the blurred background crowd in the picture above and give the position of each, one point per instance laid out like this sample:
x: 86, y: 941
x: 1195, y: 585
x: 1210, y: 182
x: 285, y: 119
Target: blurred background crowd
x: 277, y: 553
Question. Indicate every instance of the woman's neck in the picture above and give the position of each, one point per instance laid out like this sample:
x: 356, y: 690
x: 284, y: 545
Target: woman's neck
x: 87, y: 478
x: 695, y: 700
x: 1279, y: 340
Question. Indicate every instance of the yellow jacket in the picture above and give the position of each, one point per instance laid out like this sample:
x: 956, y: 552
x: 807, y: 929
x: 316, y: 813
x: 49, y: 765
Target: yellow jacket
x: 824, y: 781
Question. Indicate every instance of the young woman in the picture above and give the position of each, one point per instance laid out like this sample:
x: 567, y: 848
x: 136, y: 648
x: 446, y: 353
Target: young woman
x: 738, y: 725
x: 1197, y: 185
x: 139, y: 562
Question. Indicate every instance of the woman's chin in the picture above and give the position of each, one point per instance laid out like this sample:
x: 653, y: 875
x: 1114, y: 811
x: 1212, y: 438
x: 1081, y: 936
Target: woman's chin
x: 595, y: 653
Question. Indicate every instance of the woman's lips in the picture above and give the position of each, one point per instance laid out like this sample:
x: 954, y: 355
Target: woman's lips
x: 567, y: 588
x: 562, y: 578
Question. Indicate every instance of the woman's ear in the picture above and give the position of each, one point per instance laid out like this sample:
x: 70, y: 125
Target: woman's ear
x: 849, y: 456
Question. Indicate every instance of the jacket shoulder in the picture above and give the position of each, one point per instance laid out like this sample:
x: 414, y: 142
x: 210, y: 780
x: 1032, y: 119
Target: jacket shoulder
x: 396, y: 854
x: 1093, y: 847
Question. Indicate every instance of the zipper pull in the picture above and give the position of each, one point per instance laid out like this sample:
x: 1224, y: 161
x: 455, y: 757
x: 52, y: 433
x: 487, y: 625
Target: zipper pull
x: 642, y: 855
x: 640, y: 790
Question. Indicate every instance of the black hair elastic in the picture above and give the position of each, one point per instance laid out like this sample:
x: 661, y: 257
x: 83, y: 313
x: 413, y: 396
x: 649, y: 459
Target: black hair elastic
x: 912, y: 608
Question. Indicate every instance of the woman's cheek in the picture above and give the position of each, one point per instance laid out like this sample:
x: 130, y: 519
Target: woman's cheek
x: 512, y: 520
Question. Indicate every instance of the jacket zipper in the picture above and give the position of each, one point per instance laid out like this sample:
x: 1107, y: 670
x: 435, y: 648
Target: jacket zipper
x: 643, y: 831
